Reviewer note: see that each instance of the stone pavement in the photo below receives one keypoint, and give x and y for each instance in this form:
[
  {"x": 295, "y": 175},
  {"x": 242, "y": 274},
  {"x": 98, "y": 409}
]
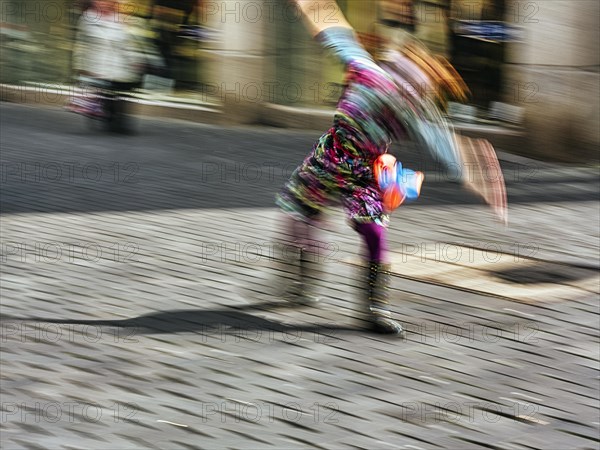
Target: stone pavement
[{"x": 136, "y": 310}]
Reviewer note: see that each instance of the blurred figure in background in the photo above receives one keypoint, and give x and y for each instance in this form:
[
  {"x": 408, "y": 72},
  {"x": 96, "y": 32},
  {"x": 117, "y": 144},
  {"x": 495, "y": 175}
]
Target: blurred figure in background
[
  {"x": 106, "y": 57},
  {"x": 396, "y": 98},
  {"x": 168, "y": 18}
]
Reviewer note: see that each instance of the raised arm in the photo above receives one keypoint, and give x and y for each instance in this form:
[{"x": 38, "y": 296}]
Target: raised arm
[
  {"x": 333, "y": 33},
  {"x": 314, "y": 17}
]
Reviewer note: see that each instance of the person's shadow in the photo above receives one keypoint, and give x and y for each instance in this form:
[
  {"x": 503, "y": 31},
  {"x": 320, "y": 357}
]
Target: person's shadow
[{"x": 216, "y": 323}]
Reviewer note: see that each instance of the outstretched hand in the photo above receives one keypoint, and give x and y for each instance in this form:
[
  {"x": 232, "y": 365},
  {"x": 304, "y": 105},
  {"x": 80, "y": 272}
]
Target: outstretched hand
[{"x": 483, "y": 175}]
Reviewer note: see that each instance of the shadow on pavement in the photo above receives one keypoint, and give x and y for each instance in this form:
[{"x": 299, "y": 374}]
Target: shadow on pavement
[{"x": 224, "y": 322}]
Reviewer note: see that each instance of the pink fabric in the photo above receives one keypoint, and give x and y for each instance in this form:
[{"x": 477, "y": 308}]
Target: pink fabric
[{"x": 374, "y": 237}]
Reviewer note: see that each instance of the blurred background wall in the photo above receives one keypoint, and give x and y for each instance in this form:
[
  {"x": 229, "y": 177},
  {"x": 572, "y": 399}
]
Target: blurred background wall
[
  {"x": 255, "y": 60},
  {"x": 553, "y": 73}
]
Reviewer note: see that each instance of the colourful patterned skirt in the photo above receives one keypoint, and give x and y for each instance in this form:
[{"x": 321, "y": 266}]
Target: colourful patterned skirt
[{"x": 334, "y": 171}]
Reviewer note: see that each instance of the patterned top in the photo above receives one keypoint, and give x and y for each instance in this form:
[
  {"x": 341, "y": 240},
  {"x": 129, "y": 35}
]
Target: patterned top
[
  {"x": 378, "y": 105},
  {"x": 381, "y": 105}
]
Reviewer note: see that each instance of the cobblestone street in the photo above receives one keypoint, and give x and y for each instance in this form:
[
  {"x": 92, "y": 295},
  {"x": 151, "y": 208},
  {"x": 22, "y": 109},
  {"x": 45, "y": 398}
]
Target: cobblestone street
[{"x": 137, "y": 308}]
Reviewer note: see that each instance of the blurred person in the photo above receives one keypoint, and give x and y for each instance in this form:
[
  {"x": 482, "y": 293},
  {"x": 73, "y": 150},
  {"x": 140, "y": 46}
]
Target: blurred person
[
  {"x": 396, "y": 98},
  {"x": 169, "y": 18},
  {"x": 106, "y": 56}
]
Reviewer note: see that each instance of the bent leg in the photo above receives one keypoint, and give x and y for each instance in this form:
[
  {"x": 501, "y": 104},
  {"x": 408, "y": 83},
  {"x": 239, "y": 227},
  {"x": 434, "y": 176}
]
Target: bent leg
[{"x": 302, "y": 200}]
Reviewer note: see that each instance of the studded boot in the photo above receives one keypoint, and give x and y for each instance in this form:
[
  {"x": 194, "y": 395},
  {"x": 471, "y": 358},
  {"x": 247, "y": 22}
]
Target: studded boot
[{"x": 379, "y": 313}]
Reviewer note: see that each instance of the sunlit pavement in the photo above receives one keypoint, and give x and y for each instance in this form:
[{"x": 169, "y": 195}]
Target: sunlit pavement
[{"x": 136, "y": 306}]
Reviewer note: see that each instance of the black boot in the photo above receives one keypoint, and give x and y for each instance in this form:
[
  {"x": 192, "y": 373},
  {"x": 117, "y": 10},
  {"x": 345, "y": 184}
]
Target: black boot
[{"x": 377, "y": 298}]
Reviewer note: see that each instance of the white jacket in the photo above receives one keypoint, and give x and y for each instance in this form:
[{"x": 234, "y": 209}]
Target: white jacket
[{"x": 107, "y": 50}]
